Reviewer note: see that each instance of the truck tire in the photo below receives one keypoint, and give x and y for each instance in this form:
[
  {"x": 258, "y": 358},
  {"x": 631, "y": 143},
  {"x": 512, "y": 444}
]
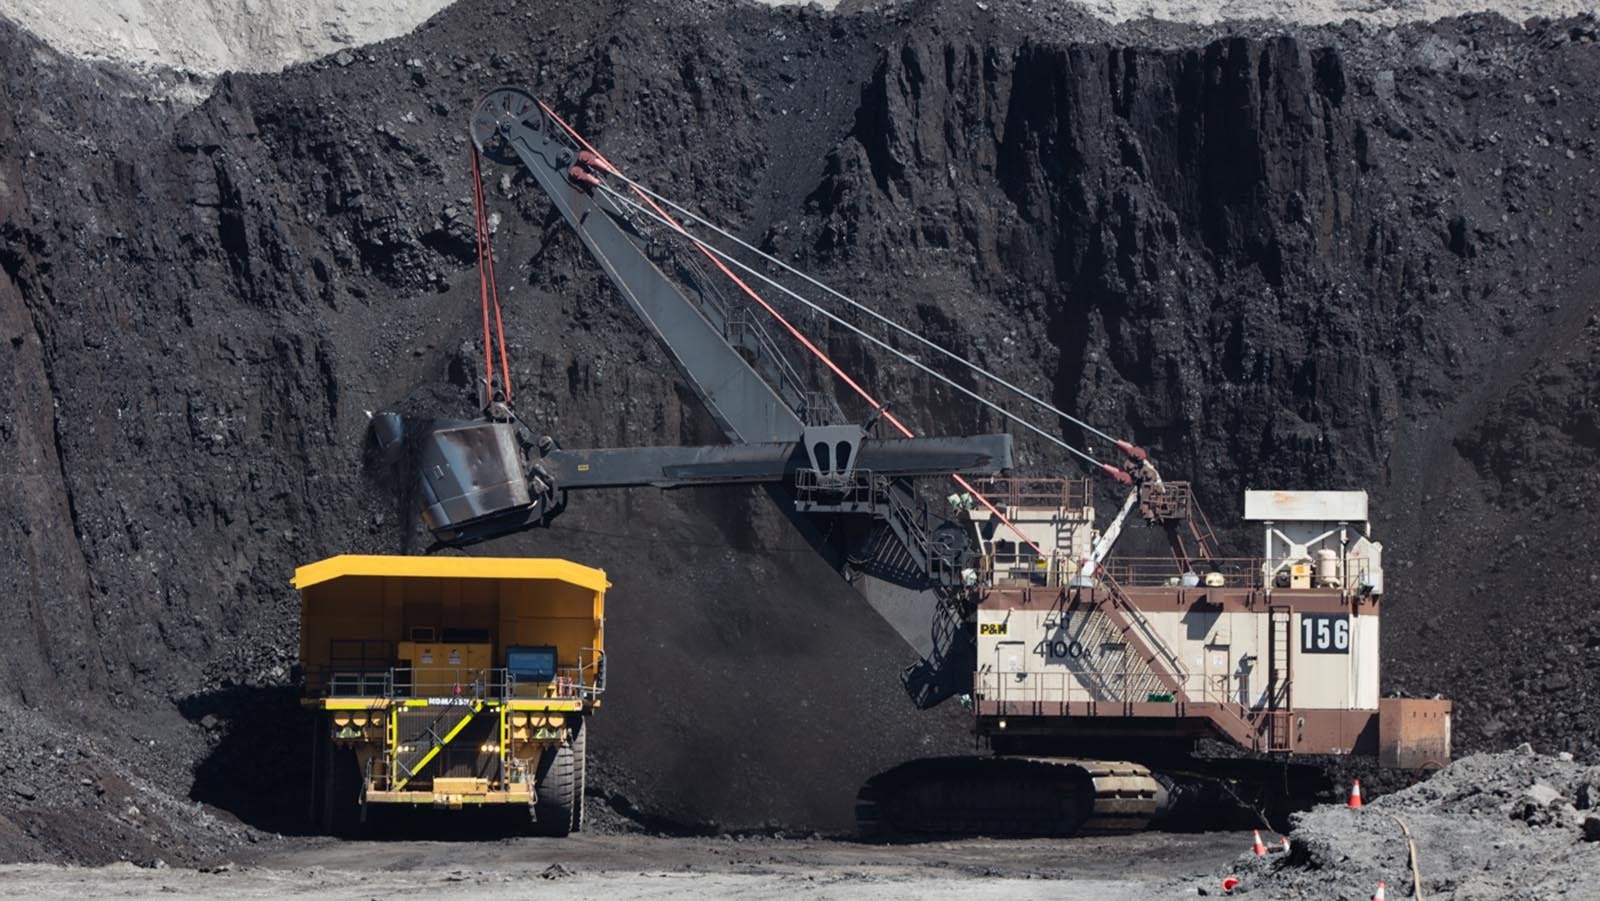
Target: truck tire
[
  {"x": 317, "y": 791},
  {"x": 341, "y": 792},
  {"x": 554, "y": 793},
  {"x": 580, "y": 741}
]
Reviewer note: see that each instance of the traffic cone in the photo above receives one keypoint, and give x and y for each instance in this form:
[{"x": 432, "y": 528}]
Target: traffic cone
[
  {"x": 1355, "y": 794},
  {"x": 1258, "y": 847},
  {"x": 1229, "y": 883},
  {"x": 1380, "y": 894},
  {"x": 1285, "y": 846}
]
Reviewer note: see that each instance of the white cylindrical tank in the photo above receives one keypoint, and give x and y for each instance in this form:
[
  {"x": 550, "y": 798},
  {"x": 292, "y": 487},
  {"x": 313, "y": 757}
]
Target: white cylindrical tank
[{"x": 1328, "y": 568}]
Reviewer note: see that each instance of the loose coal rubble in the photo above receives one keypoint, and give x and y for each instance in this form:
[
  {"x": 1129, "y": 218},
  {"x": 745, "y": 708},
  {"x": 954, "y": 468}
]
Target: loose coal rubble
[
  {"x": 81, "y": 795},
  {"x": 1310, "y": 257},
  {"x": 1514, "y": 824}
]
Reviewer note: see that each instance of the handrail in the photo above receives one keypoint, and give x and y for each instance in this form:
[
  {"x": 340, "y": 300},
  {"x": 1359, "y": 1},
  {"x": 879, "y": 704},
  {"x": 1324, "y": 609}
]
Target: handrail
[
  {"x": 822, "y": 409},
  {"x": 744, "y": 322},
  {"x": 1166, "y": 500},
  {"x": 735, "y": 322},
  {"x": 460, "y": 685},
  {"x": 1163, "y": 572},
  {"x": 1069, "y": 494},
  {"x": 1066, "y": 686},
  {"x": 439, "y": 682},
  {"x": 863, "y": 489},
  {"x": 1069, "y": 685},
  {"x": 596, "y": 667}
]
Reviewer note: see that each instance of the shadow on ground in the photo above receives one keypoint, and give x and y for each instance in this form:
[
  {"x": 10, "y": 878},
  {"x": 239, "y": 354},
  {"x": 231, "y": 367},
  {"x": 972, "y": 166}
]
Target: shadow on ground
[
  {"x": 260, "y": 771},
  {"x": 259, "y": 768}
]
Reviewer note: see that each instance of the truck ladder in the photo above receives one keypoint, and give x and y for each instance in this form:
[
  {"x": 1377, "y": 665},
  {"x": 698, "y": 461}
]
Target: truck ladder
[
  {"x": 404, "y": 772},
  {"x": 1279, "y": 701}
]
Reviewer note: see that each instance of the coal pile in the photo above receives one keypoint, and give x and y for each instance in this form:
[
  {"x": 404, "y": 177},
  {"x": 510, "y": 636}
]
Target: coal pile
[
  {"x": 81, "y": 792},
  {"x": 1503, "y": 825},
  {"x": 1321, "y": 258}
]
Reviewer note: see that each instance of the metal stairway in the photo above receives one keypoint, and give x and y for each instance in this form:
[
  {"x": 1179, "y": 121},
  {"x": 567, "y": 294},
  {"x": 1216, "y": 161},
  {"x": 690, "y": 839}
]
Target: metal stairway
[
  {"x": 408, "y": 764},
  {"x": 908, "y": 519},
  {"x": 744, "y": 332},
  {"x": 1116, "y": 672},
  {"x": 911, "y": 545},
  {"x": 1150, "y": 667},
  {"x": 886, "y": 556}
]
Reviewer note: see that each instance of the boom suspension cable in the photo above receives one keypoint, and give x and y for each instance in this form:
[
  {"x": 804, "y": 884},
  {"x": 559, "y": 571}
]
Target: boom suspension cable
[
  {"x": 488, "y": 290},
  {"x": 1120, "y": 444},
  {"x": 706, "y": 247},
  {"x": 827, "y": 361}
]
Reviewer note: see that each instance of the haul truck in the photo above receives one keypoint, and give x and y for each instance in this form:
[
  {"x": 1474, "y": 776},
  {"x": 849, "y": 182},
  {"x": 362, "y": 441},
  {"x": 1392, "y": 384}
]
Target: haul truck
[{"x": 451, "y": 682}]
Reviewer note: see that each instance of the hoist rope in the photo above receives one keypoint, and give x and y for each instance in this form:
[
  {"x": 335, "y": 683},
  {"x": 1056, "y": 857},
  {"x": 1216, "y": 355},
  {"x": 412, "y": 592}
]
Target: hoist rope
[{"x": 488, "y": 289}]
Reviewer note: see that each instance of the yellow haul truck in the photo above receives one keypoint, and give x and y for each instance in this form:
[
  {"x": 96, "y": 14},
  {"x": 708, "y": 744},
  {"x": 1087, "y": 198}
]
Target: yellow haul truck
[{"x": 451, "y": 682}]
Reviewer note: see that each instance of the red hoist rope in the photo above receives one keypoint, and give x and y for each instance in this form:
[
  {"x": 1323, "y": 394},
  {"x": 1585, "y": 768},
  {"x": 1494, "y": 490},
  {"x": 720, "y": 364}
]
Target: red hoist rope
[
  {"x": 489, "y": 290},
  {"x": 595, "y": 157}
]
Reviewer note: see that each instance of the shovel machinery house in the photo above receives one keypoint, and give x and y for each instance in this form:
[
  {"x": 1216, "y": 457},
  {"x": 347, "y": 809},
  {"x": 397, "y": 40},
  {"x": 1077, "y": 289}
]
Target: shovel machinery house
[
  {"x": 1094, "y": 680},
  {"x": 451, "y": 682}
]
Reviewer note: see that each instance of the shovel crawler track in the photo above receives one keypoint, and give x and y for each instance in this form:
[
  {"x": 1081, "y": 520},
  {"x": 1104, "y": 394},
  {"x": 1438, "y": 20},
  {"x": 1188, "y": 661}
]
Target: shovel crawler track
[{"x": 1008, "y": 796}]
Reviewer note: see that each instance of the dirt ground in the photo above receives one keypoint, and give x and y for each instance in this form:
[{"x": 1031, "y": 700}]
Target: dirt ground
[{"x": 1149, "y": 865}]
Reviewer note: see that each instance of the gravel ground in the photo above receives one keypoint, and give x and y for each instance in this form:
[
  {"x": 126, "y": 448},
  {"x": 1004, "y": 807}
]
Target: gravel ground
[
  {"x": 1489, "y": 826},
  {"x": 1515, "y": 824},
  {"x": 1107, "y": 869}
]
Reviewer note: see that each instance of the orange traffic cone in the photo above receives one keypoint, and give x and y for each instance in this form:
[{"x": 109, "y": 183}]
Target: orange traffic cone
[
  {"x": 1258, "y": 847},
  {"x": 1229, "y": 883},
  {"x": 1285, "y": 847},
  {"x": 1380, "y": 894},
  {"x": 1355, "y": 794}
]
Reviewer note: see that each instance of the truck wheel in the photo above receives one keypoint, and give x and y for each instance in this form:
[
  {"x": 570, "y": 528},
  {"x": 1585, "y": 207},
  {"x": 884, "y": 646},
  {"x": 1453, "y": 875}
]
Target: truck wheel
[
  {"x": 580, "y": 739},
  {"x": 341, "y": 792},
  {"x": 553, "y": 805}
]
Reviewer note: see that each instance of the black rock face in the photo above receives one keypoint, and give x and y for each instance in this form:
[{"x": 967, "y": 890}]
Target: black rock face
[{"x": 1304, "y": 258}]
